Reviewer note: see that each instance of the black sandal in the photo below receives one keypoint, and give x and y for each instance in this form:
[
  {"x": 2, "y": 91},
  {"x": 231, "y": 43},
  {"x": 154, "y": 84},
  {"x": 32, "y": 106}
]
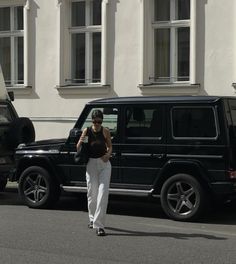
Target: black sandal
[
  {"x": 100, "y": 232},
  {"x": 90, "y": 225}
]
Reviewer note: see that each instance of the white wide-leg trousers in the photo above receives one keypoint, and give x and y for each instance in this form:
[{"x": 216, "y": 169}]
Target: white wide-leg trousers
[{"x": 98, "y": 174}]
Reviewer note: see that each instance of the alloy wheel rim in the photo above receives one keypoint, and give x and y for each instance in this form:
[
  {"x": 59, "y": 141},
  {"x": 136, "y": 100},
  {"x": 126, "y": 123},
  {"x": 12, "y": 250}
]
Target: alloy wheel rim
[
  {"x": 182, "y": 198},
  {"x": 35, "y": 188}
]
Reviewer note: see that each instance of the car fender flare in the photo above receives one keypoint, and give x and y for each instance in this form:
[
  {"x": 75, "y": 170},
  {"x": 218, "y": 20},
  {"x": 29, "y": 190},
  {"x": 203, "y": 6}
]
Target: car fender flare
[
  {"x": 174, "y": 166},
  {"x": 37, "y": 160}
]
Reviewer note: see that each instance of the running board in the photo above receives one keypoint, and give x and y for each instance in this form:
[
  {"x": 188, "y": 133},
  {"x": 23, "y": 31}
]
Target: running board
[{"x": 111, "y": 191}]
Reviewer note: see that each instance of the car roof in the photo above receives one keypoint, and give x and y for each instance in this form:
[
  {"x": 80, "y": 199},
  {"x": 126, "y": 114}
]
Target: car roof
[{"x": 161, "y": 99}]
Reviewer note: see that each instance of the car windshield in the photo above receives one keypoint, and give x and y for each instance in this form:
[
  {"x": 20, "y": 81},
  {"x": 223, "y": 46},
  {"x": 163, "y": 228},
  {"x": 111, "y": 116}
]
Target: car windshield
[{"x": 5, "y": 114}]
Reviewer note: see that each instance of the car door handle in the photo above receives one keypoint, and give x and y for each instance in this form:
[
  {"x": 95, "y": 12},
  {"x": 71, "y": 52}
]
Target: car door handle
[{"x": 158, "y": 156}]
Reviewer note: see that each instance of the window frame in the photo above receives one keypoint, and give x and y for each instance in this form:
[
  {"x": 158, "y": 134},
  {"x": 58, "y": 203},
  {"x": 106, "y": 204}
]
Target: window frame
[
  {"x": 14, "y": 34},
  {"x": 145, "y": 139},
  {"x": 173, "y": 25},
  {"x": 88, "y": 30},
  {"x": 146, "y": 83}
]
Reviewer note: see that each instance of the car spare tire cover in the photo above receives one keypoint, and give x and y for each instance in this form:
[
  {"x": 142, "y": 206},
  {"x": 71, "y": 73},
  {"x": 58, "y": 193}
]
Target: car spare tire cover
[{"x": 21, "y": 131}]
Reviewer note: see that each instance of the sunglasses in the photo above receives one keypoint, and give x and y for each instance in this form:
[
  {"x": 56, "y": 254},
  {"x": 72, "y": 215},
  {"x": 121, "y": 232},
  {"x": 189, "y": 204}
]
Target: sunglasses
[{"x": 97, "y": 121}]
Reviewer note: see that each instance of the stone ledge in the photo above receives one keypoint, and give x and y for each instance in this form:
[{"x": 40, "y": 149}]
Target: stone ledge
[
  {"x": 169, "y": 89},
  {"x": 20, "y": 90},
  {"x": 92, "y": 89}
]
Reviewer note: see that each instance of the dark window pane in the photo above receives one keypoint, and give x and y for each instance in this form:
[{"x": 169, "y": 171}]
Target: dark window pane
[
  {"x": 20, "y": 51},
  {"x": 78, "y": 14},
  {"x": 19, "y": 18},
  {"x": 194, "y": 123},
  {"x": 183, "y": 54},
  {"x": 110, "y": 117},
  {"x": 96, "y": 12},
  {"x": 5, "y": 59},
  {"x": 143, "y": 122},
  {"x": 162, "y": 55},
  {"x": 78, "y": 58},
  {"x": 183, "y": 9},
  {"x": 96, "y": 57},
  {"x": 162, "y": 10},
  {"x": 5, "y": 19},
  {"x": 231, "y": 117},
  {"x": 5, "y": 115}
]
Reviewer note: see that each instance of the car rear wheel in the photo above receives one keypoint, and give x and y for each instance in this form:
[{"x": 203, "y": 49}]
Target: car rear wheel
[
  {"x": 37, "y": 188},
  {"x": 183, "y": 198}
]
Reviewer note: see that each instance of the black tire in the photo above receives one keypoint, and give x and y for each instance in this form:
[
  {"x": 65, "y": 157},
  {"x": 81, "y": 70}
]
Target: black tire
[
  {"x": 21, "y": 131},
  {"x": 183, "y": 198},
  {"x": 37, "y": 188}
]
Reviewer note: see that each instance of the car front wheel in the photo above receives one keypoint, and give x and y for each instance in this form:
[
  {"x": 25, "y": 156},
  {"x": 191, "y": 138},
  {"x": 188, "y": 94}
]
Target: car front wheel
[
  {"x": 183, "y": 198},
  {"x": 37, "y": 188}
]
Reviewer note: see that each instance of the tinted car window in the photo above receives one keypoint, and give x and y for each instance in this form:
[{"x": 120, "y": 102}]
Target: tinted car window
[
  {"x": 110, "y": 117},
  {"x": 193, "y": 122},
  {"x": 143, "y": 122},
  {"x": 5, "y": 115}
]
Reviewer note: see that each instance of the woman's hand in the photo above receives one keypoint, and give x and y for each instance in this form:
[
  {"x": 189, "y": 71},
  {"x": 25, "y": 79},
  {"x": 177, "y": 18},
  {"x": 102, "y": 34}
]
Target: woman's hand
[
  {"x": 82, "y": 139},
  {"x": 105, "y": 157}
]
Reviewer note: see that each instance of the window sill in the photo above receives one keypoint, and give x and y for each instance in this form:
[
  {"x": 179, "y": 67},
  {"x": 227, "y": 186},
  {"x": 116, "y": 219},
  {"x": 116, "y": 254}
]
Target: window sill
[
  {"x": 83, "y": 89},
  {"x": 170, "y": 89},
  {"x": 20, "y": 90}
]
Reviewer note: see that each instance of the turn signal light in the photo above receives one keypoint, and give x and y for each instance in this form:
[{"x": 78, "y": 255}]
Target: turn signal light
[{"x": 232, "y": 174}]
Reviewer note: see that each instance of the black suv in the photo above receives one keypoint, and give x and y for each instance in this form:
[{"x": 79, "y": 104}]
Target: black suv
[
  {"x": 181, "y": 149},
  {"x": 13, "y": 131}
]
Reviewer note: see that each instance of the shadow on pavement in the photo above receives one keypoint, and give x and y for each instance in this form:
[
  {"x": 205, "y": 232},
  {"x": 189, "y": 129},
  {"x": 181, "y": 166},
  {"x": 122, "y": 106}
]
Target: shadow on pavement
[{"x": 123, "y": 232}]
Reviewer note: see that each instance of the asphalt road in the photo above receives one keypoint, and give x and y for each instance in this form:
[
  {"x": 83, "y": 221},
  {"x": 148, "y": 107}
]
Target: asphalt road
[{"x": 137, "y": 232}]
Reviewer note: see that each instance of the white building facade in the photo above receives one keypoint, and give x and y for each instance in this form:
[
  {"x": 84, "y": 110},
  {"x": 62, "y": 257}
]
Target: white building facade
[{"x": 56, "y": 55}]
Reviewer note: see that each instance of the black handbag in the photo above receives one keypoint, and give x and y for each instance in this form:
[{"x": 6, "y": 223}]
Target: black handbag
[{"x": 82, "y": 155}]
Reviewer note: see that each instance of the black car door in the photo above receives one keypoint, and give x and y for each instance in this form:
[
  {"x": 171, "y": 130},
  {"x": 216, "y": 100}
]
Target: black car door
[
  {"x": 143, "y": 147},
  {"x": 77, "y": 172}
]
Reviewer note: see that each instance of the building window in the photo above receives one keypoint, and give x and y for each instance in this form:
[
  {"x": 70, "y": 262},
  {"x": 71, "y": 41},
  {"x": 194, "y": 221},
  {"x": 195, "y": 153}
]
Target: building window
[
  {"x": 171, "y": 29},
  {"x": 12, "y": 44},
  {"x": 85, "y": 34}
]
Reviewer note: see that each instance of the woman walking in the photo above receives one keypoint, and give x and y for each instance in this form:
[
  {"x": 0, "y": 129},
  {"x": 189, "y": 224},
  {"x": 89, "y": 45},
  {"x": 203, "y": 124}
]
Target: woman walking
[{"x": 98, "y": 170}]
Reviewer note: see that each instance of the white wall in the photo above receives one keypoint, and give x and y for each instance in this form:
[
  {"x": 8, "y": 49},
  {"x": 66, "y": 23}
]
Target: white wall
[
  {"x": 216, "y": 56},
  {"x": 126, "y": 47},
  {"x": 216, "y": 50}
]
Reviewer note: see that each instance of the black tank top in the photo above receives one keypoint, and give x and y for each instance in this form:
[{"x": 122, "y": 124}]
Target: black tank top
[{"x": 97, "y": 143}]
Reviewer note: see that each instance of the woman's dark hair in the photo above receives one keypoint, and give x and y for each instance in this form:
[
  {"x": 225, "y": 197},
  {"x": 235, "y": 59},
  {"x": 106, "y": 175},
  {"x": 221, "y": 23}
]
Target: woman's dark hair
[{"x": 97, "y": 114}]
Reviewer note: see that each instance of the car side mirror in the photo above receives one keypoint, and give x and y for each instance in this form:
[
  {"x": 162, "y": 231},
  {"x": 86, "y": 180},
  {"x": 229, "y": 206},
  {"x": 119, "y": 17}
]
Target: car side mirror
[{"x": 74, "y": 135}]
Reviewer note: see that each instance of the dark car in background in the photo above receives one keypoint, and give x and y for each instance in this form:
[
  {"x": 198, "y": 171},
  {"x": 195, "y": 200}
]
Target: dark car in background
[
  {"x": 179, "y": 149},
  {"x": 13, "y": 131}
]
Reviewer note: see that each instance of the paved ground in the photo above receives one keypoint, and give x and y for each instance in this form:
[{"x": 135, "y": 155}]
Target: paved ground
[{"x": 138, "y": 232}]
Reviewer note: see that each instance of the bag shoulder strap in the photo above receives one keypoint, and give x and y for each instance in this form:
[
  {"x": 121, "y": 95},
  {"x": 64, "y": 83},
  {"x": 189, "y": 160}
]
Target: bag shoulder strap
[{"x": 88, "y": 132}]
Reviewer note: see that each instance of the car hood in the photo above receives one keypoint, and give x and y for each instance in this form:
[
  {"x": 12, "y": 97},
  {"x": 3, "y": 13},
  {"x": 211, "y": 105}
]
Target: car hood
[{"x": 49, "y": 144}]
